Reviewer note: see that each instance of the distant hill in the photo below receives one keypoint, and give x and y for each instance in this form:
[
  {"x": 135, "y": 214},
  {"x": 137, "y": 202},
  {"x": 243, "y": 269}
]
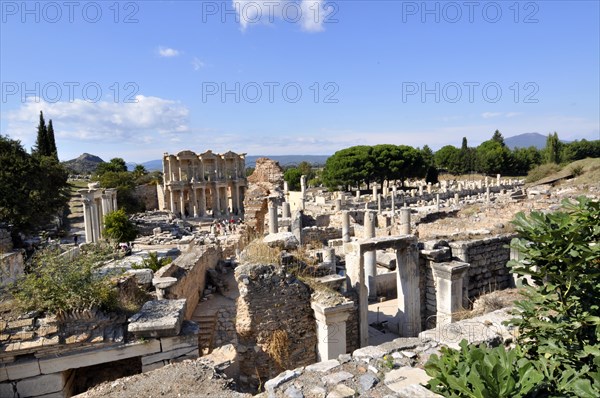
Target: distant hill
[
  {"x": 84, "y": 164},
  {"x": 284, "y": 160},
  {"x": 526, "y": 140}
]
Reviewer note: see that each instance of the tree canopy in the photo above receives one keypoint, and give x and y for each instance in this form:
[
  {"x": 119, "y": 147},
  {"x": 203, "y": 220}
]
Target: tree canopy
[{"x": 33, "y": 189}]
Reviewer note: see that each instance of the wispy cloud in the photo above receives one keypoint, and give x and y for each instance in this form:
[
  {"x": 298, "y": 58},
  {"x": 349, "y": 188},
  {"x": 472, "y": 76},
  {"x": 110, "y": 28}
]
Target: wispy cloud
[
  {"x": 488, "y": 115},
  {"x": 167, "y": 52},
  {"x": 197, "y": 63}
]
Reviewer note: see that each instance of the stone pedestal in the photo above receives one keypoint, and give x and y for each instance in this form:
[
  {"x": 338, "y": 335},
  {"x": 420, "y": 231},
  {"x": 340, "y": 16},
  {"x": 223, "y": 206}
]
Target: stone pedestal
[
  {"x": 448, "y": 279},
  {"x": 409, "y": 296},
  {"x": 331, "y": 329}
]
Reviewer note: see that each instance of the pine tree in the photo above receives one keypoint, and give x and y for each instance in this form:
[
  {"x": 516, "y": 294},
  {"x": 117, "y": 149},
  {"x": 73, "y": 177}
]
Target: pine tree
[
  {"x": 498, "y": 138},
  {"x": 51, "y": 141},
  {"x": 41, "y": 143}
]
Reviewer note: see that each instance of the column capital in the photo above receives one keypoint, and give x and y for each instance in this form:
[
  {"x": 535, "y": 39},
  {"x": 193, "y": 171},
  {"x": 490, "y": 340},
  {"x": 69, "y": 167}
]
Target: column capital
[{"x": 332, "y": 314}]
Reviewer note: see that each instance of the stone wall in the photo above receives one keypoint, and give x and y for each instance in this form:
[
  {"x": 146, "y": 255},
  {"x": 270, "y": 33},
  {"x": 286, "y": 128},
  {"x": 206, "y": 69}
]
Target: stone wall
[
  {"x": 148, "y": 196},
  {"x": 275, "y": 324},
  {"x": 190, "y": 271},
  {"x": 319, "y": 236},
  {"x": 352, "y": 326},
  {"x": 488, "y": 258},
  {"x": 11, "y": 267}
]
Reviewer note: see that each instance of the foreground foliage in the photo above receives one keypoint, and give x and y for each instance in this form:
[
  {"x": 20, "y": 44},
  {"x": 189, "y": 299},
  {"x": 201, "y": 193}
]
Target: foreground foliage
[
  {"x": 558, "y": 346},
  {"x": 59, "y": 284}
]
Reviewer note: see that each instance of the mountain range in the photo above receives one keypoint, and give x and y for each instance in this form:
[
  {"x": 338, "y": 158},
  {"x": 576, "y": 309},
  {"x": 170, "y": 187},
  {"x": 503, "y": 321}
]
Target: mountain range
[{"x": 87, "y": 163}]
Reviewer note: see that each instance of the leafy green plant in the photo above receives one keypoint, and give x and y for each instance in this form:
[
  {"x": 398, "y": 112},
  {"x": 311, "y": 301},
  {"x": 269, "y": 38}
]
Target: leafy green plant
[
  {"x": 480, "y": 372},
  {"x": 559, "y": 322},
  {"x": 153, "y": 262},
  {"x": 558, "y": 346},
  {"x": 59, "y": 284},
  {"x": 118, "y": 227}
]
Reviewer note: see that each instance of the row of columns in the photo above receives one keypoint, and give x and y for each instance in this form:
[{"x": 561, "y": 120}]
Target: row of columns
[
  {"x": 96, "y": 204},
  {"x": 195, "y": 203}
]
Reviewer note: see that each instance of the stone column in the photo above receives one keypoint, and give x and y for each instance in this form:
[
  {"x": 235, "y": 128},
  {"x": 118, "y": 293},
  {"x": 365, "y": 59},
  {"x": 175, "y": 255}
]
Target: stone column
[
  {"x": 285, "y": 210},
  {"x": 171, "y": 199},
  {"x": 345, "y": 226},
  {"x": 182, "y": 204},
  {"x": 331, "y": 329},
  {"x": 498, "y": 180},
  {"x": 87, "y": 219},
  {"x": 405, "y": 221},
  {"x": 420, "y": 190},
  {"x": 437, "y": 201},
  {"x": 238, "y": 200},
  {"x": 409, "y": 296},
  {"x": 358, "y": 194},
  {"x": 393, "y": 204},
  {"x": 456, "y": 199},
  {"x": 286, "y": 188},
  {"x": 303, "y": 185},
  {"x": 338, "y": 204},
  {"x": 355, "y": 272},
  {"x": 114, "y": 199},
  {"x": 329, "y": 258},
  {"x": 273, "y": 226},
  {"x": 487, "y": 194},
  {"x": 195, "y": 199},
  {"x": 202, "y": 202},
  {"x": 374, "y": 192},
  {"x": 95, "y": 221},
  {"x": 429, "y": 188},
  {"x": 216, "y": 202},
  {"x": 379, "y": 204},
  {"x": 448, "y": 279},
  {"x": 370, "y": 258}
]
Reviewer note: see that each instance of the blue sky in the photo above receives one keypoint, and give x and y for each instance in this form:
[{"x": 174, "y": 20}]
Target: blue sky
[{"x": 135, "y": 79}]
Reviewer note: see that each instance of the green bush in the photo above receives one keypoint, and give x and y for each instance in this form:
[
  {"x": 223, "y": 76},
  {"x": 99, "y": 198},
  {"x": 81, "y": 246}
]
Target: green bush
[
  {"x": 481, "y": 372},
  {"x": 558, "y": 346},
  {"x": 59, "y": 284},
  {"x": 153, "y": 262},
  {"x": 118, "y": 227},
  {"x": 542, "y": 171}
]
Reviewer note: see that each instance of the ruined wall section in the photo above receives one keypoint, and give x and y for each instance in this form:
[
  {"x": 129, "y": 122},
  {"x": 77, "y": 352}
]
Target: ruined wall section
[
  {"x": 275, "y": 323},
  {"x": 147, "y": 195},
  {"x": 190, "y": 271},
  {"x": 487, "y": 257},
  {"x": 267, "y": 180}
]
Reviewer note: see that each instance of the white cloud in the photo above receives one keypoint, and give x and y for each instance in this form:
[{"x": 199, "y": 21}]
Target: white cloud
[
  {"x": 198, "y": 63},
  {"x": 513, "y": 114},
  {"x": 310, "y": 15},
  {"x": 167, "y": 52},
  {"x": 488, "y": 115},
  {"x": 146, "y": 120}
]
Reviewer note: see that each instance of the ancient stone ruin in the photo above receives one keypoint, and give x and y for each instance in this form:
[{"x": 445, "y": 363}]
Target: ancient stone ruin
[{"x": 334, "y": 286}]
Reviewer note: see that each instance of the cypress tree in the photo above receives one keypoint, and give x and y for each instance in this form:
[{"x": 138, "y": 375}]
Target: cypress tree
[
  {"x": 51, "y": 141},
  {"x": 41, "y": 143}
]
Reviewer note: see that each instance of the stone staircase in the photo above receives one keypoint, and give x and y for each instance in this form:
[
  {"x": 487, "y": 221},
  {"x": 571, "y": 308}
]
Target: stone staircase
[{"x": 208, "y": 324}]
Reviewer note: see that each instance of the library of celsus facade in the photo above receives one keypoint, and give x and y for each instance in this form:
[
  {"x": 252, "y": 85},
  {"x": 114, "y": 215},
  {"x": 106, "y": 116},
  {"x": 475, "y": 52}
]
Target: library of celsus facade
[{"x": 203, "y": 185}]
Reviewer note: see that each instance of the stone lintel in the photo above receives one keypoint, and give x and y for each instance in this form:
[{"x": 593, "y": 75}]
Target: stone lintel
[{"x": 453, "y": 270}]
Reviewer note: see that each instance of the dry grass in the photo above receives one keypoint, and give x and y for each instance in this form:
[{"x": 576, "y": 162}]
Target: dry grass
[
  {"x": 258, "y": 252},
  {"x": 490, "y": 302},
  {"x": 277, "y": 347}
]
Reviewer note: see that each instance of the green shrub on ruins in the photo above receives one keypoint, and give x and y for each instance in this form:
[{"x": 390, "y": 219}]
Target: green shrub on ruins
[
  {"x": 153, "y": 262},
  {"x": 558, "y": 343},
  {"x": 481, "y": 372},
  {"x": 60, "y": 284}
]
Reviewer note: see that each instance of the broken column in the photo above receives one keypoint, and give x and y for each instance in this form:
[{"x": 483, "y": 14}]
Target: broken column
[
  {"x": 405, "y": 221},
  {"x": 345, "y": 226},
  {"x": 379, "y": 204},
  {"x": 285, "y": 210},
  {"x": 448, "y": 279},
  {"x": 338, "y": 204},
  {"x": 331, "y": 329},
  {"x": 329, "y": 258},
  {"x": 409, "y": 296},
  {"x": 273, "y": 226},
  {"x": 370, "y": 257}
]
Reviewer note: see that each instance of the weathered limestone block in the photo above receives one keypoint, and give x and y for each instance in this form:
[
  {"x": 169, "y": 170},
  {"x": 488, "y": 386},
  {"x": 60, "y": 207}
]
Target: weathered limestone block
[
  {"x": 158, "y": 318},
  {"x": 283, "y": 240}
]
